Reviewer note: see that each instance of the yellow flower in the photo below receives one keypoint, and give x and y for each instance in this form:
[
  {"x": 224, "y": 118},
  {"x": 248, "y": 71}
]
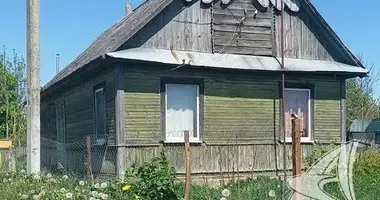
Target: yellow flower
[
  {"x": 126, "y": 187},
  {"x": 137, "y": 197}
]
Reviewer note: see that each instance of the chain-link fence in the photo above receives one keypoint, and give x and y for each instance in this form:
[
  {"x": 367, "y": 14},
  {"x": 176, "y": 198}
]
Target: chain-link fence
[{"x": 88, "y": 156}]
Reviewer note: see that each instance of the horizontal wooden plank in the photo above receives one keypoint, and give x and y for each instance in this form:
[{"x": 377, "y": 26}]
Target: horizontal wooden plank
[
  {"x": 239, "y": 42},
  {"x": 237, "y": 11},
  {"x": 224, "y": 36},
  {"x": 243, "y": 29},
  {"x": 243, "y": 51},
  {"x": 229, "y": 20}
]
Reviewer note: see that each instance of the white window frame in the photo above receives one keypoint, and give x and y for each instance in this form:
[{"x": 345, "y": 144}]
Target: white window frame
[
  {"x": 181, "y": 139},
  {"x": 100, "y": 138},
  {"x": 309, "y": 132}
]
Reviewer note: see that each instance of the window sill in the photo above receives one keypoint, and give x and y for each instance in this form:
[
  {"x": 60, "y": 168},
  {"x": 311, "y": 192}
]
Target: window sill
[
  {"x": 305, "y": 141},
  {"x": 181, "y": 142}
]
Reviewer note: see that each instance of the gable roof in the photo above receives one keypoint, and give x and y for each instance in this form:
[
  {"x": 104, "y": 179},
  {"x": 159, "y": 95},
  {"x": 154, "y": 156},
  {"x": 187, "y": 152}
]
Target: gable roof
[
  {"x": 333, "y": 34},
  {"x": 111, "y": 39},
  {"x": 120, "y": 32},
  {"x": 234, "y": 61}
]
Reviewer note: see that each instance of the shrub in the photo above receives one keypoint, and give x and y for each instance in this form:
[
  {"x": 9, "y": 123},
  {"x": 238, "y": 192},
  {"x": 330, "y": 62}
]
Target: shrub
[
  {"x": 153, "y": 180},
  {"x": 319, "y": 150}
]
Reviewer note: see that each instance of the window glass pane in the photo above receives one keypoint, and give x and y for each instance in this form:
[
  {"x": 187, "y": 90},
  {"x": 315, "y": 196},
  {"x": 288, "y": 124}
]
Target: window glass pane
[
  {"x": 297, "y": 101},
  {"x": 181, "y": 110},
  {"x": 100, "y": 112}
]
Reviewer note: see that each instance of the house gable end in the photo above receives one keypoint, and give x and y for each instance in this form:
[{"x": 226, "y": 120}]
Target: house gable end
[
  {"x": 242, "y": 27},
  {"x": 238, "y": 27}
]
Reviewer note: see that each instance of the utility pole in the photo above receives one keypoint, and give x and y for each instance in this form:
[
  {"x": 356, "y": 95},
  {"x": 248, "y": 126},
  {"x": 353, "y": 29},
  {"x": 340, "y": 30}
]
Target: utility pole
[
  {"x": 33, "y": 107},
  {"x": 283, "y": 88}
]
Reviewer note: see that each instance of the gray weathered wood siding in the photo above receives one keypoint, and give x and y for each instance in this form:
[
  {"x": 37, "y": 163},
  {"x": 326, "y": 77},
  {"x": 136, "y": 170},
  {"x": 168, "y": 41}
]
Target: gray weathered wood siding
[
  {"x": 302, "y": 38},
  {"x": 213, "y": 159},
  {"x": 240, "y": 110},
  {"x": 253, "y": 36},
  {"x": 79, "y": 114},
  {"x": 180, "y": 26}
]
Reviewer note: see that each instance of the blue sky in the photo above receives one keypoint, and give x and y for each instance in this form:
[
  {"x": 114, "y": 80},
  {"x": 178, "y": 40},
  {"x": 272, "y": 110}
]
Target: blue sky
[{"x": 69, "y": 26}]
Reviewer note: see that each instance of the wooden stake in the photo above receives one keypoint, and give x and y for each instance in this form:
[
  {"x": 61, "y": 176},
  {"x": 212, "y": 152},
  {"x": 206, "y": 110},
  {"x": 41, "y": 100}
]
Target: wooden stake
[
  {"x": 296, "y": 156},
  {"x": 88, "y": 158},
  {"x": 188, "y": 171}
]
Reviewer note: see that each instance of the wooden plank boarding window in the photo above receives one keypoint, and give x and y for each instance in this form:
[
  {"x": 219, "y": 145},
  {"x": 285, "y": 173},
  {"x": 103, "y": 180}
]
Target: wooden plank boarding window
[
  {"x": 100, "y": 114},
  {"x": 60, "y": 122},
  {"x": 182, "y": 112},
  {"x": 298, "y": 101}
]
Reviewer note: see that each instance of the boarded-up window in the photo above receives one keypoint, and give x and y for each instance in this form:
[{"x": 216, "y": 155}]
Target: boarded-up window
[
  {"x": 100, "y": 114},
  {"x": 182, "y": 112},
  {"x": 297, "y": 101},
  {"x": 60, "y": 121}
]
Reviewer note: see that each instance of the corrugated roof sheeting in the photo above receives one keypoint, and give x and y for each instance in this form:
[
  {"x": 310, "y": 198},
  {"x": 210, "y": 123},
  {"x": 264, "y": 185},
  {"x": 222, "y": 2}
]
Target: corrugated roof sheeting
[
  {"x": 232, "y": 61},
  {"x": 365, "y": 126}
]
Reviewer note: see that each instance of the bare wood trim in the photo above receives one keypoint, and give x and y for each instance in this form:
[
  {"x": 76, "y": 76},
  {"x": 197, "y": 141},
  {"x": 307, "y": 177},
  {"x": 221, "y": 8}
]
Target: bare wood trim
[
  {"x": 343, "y": 137},
  {"x": 273, "y": 31},
  {"x": 188, "y": 170},
  {"x": 238, "y": 144},
  {"x": 212, "y": 28},
  {"x": 120, "y": 120}
]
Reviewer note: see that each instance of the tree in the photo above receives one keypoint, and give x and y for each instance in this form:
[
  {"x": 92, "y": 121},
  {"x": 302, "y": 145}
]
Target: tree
[
  {"x": 12, "y": 97},
  {"x": 360, "y": 99}
]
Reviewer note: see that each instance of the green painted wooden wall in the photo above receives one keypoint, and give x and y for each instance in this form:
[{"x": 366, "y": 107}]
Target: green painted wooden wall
[
  {"x": 236, "y": 105},
  {"x": 78, "y": 100}
]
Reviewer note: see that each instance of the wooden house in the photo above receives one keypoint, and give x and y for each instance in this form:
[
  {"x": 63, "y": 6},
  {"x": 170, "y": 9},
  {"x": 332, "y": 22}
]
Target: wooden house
[
  {"x": 366, "y": 130},
  {"x": 212, "y": 68}
]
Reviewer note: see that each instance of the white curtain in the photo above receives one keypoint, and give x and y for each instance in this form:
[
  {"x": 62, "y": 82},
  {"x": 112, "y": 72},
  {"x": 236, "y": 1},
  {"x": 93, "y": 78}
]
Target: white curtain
[
  {"x": 297, "y": 101},
  {"x": 181, "y": 110}
]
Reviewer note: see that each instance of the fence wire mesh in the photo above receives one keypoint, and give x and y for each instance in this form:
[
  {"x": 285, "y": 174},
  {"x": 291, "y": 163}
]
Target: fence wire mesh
[{"x": 89, "y": 155}]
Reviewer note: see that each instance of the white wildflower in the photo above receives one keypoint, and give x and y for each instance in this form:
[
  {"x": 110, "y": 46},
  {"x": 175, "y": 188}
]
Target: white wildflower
[
  {"x": 23, "y": 171},
  {"x": 84, "y": 191},
  {"x": 272, "y": 193},
  {"x": 91, "y": 198},
  {"x": 32, "y": 191},
  {"x": 65, "y": 177},
  {"x": 223, "y": 198},
  {"x": 69, "y": 195},
  {"x": 103, "y": 185},
  {"x": 10, "y": 179},
  {"x": 81, "y": 183},
  {"x": 63, "y": 190},
  {"x": 94, "y": 193},
  {"x": 24, "y": 196},
  {"x": 278, "y": 186},
  {"x": 226, "y": 192},
  {"x": 105, "y": 196},
  {"x": 49, "y": 175},
  {"x": 36, "y": 177},
  {"x": 97, "y": 185}
]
